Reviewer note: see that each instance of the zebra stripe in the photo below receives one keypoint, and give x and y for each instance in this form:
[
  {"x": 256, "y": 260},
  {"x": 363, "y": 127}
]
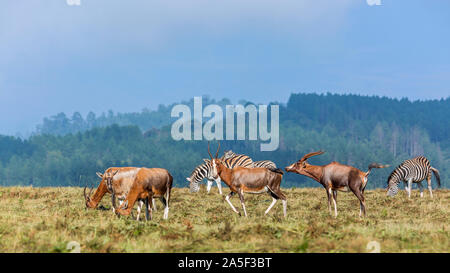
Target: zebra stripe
[
  {"x": 413, "y": 170},
  {"x": 256, "y": 164},
  {"x": 264, "y": 164}
]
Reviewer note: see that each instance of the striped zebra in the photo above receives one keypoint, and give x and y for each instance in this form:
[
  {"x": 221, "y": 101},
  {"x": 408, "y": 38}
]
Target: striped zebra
[
  {"x": 256, "y": 164},
  {"x": 412, "y": 170},
  {"x": 204, "y": 171},
  {"x": 264, "y": 164}
]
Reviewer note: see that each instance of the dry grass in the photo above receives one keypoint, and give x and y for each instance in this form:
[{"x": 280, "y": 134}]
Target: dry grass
[{"x": 46, "y": 219}]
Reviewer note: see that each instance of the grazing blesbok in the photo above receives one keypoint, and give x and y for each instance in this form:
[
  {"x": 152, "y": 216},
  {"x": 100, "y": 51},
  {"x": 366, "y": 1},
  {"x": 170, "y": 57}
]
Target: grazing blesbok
[
  {"x": 119, "y": 184},
  {"x": 119, "y": 179},
  {"x": 335, "y": 177},
  {"x": 242, "y": 180},
  {"x": 92, "y": 201},
  {"x": 148, "y": 183}
]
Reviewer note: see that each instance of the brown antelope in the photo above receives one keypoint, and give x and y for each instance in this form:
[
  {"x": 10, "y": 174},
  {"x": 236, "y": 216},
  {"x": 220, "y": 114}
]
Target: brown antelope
[
  {"x": 92, "y": 201},
  {"x": 148, "y": 183},
  {"x": 242, "y": 180},
  {"x": 335, "y": 177},
  {"x": 117, "y": 180}
]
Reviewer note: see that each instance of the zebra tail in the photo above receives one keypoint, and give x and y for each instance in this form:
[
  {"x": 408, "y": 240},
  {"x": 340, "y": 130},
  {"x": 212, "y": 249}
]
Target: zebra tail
[
  {"x": 275, "y": 170},
  {"x": 438, "y": 177}
]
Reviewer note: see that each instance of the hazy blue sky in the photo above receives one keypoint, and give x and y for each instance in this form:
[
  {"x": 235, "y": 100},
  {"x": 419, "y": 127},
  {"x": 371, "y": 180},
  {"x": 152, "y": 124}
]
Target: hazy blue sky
[{"x": 128, "y": 54}]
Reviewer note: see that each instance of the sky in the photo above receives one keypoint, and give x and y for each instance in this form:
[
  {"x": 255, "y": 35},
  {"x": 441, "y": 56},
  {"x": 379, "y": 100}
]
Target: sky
[{"x": 127, "y": 55}]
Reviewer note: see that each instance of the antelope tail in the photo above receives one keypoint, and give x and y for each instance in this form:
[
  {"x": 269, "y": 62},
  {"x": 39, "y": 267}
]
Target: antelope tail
[
  {"x": 375, "y": 165},
  {"x": 275, "y": 170},
  {"x": 438, "y": 177}
]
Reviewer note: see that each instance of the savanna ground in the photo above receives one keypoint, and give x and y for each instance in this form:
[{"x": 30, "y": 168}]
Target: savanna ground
[{"x": 47, "y": 219}]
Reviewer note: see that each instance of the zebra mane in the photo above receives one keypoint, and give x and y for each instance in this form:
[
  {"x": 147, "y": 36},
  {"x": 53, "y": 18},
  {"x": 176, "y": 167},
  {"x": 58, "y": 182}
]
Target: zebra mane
[
  {"x": 394, "y": 176},
  {"x": 228, "y": 154}
]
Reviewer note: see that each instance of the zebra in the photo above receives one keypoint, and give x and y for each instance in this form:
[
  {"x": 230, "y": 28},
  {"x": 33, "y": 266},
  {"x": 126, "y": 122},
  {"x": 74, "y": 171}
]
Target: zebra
[
  {"x": 256, "y": 164},
  {"x": 204, "y": 171},
  {"x": 412, "y": 170},
  {"x": 264, "y": 164}
]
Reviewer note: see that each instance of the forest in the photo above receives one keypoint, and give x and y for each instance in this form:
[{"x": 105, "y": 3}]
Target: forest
[{"x": 351, "y": 129}]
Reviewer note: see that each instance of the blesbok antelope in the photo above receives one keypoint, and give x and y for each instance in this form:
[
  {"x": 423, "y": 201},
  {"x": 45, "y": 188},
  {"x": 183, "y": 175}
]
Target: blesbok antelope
[
  {"x": 204, "y": 171},
  {"x": 335, "y": 177},
  {"x": 148, "y": 183},
  {"x": 242, "y": 180},
  {"x": 119, "y": 178},
  {"x": 119, "y": 185},
  {"x": 92, "y": 201}
]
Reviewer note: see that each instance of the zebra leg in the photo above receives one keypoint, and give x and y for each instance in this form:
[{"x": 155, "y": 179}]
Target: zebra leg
[
  {"x": 409, "y": 187},
  {"x": 406, "y": 186},
  {"x": 219, "y": 185},
  {"x": 208, "y": 185},
  {"x": 420, "y": 188},
  {"x": 429, "y": 186}
]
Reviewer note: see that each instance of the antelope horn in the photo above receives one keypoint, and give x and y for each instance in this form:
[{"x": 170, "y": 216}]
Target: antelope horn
[
  {"x": 84, "y": 193},
  {"x": 305, "y": 157},
  {"x": 210, "y": 155},
  {"x": 217, "y": 153}
]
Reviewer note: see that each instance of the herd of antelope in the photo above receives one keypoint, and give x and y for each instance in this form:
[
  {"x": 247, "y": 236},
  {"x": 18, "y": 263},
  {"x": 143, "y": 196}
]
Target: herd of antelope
[{"x": 243, "y": 175}]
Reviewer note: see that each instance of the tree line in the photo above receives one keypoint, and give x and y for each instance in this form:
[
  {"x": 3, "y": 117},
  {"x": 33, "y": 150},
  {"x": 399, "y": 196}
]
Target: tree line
[{"x": 355, "y": 130}]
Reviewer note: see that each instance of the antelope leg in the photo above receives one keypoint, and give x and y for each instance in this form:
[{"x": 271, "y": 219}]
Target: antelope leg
[
  {"x": 271, "y": 205},
  {"x": 229, "y": 202},
  {"x": 139, "y": 208},
  {"x": 154, "y": 204},
  {"x": 241, "y": 197},
  {"x": 284, "y": 207}
]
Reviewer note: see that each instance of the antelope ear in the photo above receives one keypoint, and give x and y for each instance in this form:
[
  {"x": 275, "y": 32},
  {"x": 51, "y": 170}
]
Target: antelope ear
[
  {"x": 188, "y": 179},
  {"x": 99, "y": 174}
]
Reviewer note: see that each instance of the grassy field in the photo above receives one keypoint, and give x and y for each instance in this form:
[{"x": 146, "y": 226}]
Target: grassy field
[{"x": 47, "y": 219}]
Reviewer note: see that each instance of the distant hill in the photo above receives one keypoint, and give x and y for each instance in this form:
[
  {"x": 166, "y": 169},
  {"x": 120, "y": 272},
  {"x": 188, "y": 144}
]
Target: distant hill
[{"x": 352, "y": 129}]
